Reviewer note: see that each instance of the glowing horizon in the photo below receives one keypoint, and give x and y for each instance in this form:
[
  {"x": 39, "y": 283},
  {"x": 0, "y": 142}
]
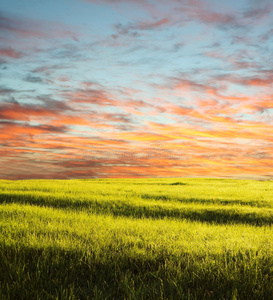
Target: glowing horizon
[{"x": 129, "y": 88}]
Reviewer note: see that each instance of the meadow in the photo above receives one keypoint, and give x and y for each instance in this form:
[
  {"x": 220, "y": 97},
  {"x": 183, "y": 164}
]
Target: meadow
[{"x": 172, "y": 238}]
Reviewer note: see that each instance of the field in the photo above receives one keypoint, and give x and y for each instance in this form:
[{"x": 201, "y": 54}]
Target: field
[{"x": 136, "y": 239}]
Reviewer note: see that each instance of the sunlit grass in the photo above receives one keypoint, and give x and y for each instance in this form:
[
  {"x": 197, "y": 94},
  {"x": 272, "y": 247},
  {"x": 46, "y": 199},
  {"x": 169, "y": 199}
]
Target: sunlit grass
[{"x": 136, "y": 239}]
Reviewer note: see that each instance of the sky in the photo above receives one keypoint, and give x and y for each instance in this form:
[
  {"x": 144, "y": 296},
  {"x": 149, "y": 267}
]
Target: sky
[{"x": 136, "y": 88}]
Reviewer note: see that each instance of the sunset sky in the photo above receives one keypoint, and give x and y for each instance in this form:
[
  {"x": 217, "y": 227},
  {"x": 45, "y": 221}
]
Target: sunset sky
[{"x": 136, "y": 88}]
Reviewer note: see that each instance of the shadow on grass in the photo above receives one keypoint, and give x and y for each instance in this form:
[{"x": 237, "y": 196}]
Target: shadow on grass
[
  {"x": 205, "y": 201},
  {"x": 121, "y": 208},
  {"x": 54, "y": 273}
]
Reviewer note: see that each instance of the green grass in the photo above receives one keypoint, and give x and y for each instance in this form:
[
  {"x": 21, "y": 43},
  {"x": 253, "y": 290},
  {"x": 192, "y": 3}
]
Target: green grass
[{"x": 136, "y": 239}]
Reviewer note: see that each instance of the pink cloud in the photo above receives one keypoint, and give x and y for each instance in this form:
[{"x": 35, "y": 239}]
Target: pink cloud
[{"x": 11, "y": 53}]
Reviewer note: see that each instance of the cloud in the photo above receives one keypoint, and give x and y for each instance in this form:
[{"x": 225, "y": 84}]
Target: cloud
[
  {"x": 216, "y": 112},
  {"x": 262, "y": 78},
  {"x": 6, "y": 91},
  {"x": 95, "y": 95},
  {"x": 24, "y": 112},
  {"x": 14, "y": 27},
  {"x": 177, "y": 12},
  {"x": 33, "y": 79},
  {"x": 257, "y": 81},
  {"x": 54, "y": 105},
  {"x": 91, "y": 96},
  {"x": 150, "y": 25},
  {"x": 133, "y": 29},
  {"x": 267, "y": 36},
  {"x": 49, "y": 69},
  {"x": 11, "y": 53},
  {"x": 13, "y": 129},
  {"x": 18, "y": 27},
  {"x": 258, "y": 10}
]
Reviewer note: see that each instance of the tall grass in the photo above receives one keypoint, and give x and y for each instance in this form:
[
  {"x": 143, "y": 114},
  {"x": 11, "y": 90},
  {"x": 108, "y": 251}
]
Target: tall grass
[{"x": 136, "y": 239}]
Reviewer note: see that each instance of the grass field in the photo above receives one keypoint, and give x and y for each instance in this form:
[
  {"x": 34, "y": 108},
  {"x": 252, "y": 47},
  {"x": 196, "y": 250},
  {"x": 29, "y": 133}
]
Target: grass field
[{"x": 136, "y": 239}]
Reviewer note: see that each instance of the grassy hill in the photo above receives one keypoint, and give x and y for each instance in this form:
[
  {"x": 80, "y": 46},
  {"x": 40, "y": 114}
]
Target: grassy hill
[{"x": 136, "y": 239}]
